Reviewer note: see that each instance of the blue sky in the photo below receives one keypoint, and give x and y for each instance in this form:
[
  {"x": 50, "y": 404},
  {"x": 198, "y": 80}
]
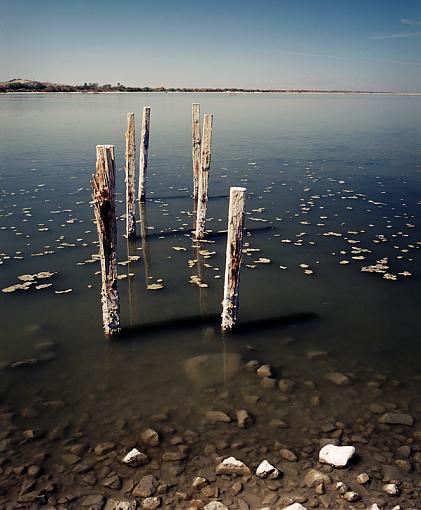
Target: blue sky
[{"x": 353, "y": 44}]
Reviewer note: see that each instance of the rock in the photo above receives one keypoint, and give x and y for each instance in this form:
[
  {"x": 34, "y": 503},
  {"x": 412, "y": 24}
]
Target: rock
[
  {"x": 93, "y": 499},
  {"x": 396, "y": 419},
  {"x": 120, "y": 504},
  {"x": 295, "y": 506},
  {"x": 286, "y": 385},
  {"x": 341, "y": 487},
  {"x": 146, "y": 487},
  {"x": 268, "y": 382},
  {"x": 288, "y": 455},
  {"x": 391, "y": 488},
  {"x": 374, "y": 506},
  {"x": 151, "y": 503},
  {"x": 352, "y": 496},
  {"x": 403, "y": 465},
  {"x": 199, "y": 482},
  {"x": 104, "y": 448},
  {"x": 266, "y": 470},
  {"x": 363, "y": 478},
  {"x": 218, "y": 416},
  {"x": 315, "y": 477},
  {"x": 244, "y": 420},
  {"x": 404, "y": 451},
  {"x": 113, "y": 482},
  {"x": 135, "y": 458},
  {"x": 71, "y": 459},
  {"x": 316, "y": 354},
  {"x": 264, "y": 371},
  {"x": 376, "y": 408},
  {"x": 337, "y": 456},
  {"x": 215, "y": 505},
  {"x": 278, "y": 424},
  {"x": 338, "y": 378},
  {"x": 150, "y": 437},
  {"x": 232, "y": 466},
  {"x": 173, "y": 456},
  {"x": 252, "y": 364}
]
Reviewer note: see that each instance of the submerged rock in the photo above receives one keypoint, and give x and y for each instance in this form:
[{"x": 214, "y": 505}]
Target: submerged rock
[
  {"x": 338, "y": 378},
  {"x": 396, "y": 419},
  {"x": 337, "y": 456},
  {"x": 315, "y": 477},
  {"x": 244, "y": 420},
  {"x": 266, "y": 470},
  {"x": 150, "y": 437},
  {"x": 146, "y": 487},
  {"x": 218, "y": 416},
  {"x": 232, "y": 466},
  {"x": 215, "y": 505},
  {"x": 120, "y": 504},
  {"x": 135, "y": 458}
]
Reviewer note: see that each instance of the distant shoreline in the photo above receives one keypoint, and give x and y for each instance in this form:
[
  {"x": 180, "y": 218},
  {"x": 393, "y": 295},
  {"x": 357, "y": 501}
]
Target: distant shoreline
[
  {"x": 232, "y": 93},
  {"x": 19, "y": 85}
]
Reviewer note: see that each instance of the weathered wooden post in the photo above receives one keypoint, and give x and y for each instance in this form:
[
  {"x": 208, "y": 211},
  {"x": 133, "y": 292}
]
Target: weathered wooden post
[
  {"x": 205, "y": 160},
  {"x": 196, "y": 148},
  {"x": 130, "y": 177},
  {"x": 235, "y": 235},
  {"x": 144, "y": 146},
  {"x": 103, "y": 194}
]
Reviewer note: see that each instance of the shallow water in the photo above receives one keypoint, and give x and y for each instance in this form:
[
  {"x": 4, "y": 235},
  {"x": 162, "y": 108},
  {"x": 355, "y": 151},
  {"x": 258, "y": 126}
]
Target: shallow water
[{"x": 329, "y": 178}]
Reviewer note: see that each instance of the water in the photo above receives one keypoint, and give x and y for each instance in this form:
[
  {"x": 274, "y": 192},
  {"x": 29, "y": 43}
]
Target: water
[{"x": 329, "y": 178}]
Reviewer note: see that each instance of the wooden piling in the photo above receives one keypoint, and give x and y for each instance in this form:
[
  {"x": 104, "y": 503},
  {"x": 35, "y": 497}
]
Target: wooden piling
[
  {"x": 235, "y": 236},
  {"x": 130, "y": 177},
  {"x": 205, "y": 160},
  {"x": 103, "y": 194},
  {"x": 144, "y": 146},
  {"x": 196, "y": 148}
]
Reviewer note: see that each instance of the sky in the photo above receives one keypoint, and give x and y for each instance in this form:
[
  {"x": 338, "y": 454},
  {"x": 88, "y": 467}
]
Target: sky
[{"x": 317, "y": 44}]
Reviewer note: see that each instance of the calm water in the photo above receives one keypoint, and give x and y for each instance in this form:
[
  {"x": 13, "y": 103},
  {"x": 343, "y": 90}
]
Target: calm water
[{"x": 329, "y": 178}]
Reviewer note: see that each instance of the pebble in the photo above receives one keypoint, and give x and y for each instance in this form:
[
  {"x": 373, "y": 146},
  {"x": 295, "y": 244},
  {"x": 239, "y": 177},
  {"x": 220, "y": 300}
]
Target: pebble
[
  {"x": 266, "y": 470},
  {"x": 135, "y": 458},
  {"x": 315, "y": 477},
  {"x": 151, "y": 503},
  {"x": 244, "y": 419},
  {"x": 120, "y": 504},
  {"x": 396, "y": 419},
  {"x": 286, "y": 385},
  {"x": 337, "y": 456},
  {"x": 104, "y": 448},
  {"x": 218, "y": 416},
  {"x": 150, "y": 437},
  {"x": 264, "y": 371},
  {"x": 363, "y": 478},
  {"x": 288, "y": 455},
  {"x": 338, "y": 378},
  {"x": 146, "y": 487},
  {"x": 391, "y": 488},
  {"x": 215, "y": 505},
  {"x": 352, "y": 496},
  {"x": 295, "y": 506},
  {"x": 199, "y": 482},
  {"x": 232, "y": 466}
]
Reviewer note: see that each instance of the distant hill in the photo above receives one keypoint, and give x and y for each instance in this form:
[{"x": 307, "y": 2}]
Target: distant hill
[{"x": 22, "y": 85}]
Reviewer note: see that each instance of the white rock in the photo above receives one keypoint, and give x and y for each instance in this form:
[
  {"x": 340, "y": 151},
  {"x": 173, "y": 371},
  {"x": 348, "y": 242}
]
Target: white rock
[
  {"x": 337, "y": 456},
  {"x": 295, "y": 506},
  {"x": 266, "y": 470},
  {"x": 232, "y": 466},
  {"x": 374, "y": 506},
  {"x": 215, "y": 505},
  {"x": 135, "y": 458},
  {"x": 391, "y": 488}
]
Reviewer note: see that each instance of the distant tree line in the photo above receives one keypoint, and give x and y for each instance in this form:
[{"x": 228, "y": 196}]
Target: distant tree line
[{"x": 19, "y": 85}]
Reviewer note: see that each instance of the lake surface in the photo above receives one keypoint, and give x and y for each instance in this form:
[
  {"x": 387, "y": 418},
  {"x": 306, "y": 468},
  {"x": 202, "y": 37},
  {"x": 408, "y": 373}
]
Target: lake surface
[{"x": 333, "y": 186}]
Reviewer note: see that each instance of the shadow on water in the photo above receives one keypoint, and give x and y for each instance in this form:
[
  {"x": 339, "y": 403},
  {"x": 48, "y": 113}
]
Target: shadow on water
[
  {"x": 214, "y": 321},
  {"x": 209, "y": 235}
]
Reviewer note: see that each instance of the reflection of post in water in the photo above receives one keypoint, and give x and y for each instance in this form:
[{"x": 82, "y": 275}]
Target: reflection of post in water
[
  {"x": 131, "y": 250},
  {"x": 144, "y": 237},
  {"x": 200, "y": 279}
]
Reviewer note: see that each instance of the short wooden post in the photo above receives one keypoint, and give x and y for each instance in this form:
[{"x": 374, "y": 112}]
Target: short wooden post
[
  {"x": 103, "y": 194},
  {"x": 235, "y": 236},
  {"x": 144, "y": 146},
  {"x": 205, "y": 160},
  {"x": 130, "y": 177},
  {"x": 196, "y": 147}
]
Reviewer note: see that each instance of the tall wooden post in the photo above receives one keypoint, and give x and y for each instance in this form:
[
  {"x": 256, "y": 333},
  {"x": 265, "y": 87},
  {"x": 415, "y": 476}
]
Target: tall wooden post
[
  {"x": 235, "y": 236},
  {"x": 144, "y": 146},
  {"x": 130, "y": 177},
  {"x": 205, "y": 160},
  {"x": 196, "y": 148},
  {"x": 103, "y": 194}
]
